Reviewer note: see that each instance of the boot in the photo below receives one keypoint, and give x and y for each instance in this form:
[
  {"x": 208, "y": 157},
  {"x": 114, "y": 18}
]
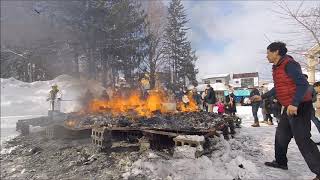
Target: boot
[
  {"x": 317, "y": 177},
  {"x": 232, "y": 131},
  {"x": 256, "y": 124},
  {"x": 318, "y": 143},
  {"x": 264, "y": 121},
  {"x": 274, "y": 164}
]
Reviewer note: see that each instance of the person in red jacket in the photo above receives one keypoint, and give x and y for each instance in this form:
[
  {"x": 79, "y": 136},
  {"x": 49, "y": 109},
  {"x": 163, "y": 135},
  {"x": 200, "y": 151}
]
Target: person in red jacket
[
  {"x": 221, "y": 107},
  {"x": 291, "y": 90}
]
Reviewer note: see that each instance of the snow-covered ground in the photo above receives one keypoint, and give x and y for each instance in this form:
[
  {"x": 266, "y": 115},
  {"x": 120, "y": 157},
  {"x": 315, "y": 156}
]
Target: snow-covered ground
[
  {"x": 241, "y": 157},
  {"x": 8, "y": 126},
  {"x": 20, "y": 100}
]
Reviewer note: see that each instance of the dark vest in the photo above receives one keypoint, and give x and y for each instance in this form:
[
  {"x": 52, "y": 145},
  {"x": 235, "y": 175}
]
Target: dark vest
[{"x": 284, "y": 85}]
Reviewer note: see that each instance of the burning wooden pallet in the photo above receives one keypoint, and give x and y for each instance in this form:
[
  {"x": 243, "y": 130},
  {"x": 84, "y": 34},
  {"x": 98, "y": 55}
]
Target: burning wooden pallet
[
  {"x": 22, "y": 126},
  {"x": 103, "y": 137},
  {"x": 64, "y": 132}
]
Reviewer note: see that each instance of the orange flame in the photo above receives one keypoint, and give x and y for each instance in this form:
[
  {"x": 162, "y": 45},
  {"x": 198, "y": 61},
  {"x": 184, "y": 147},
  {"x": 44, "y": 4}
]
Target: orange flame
[
  {"x": 190, "y": 107},
  {"x": 71, "y": 123},
  {"x": 135, "y": 104}
]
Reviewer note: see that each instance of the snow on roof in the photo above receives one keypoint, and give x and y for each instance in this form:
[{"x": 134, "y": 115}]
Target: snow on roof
[
  {"x": 215, "y": 76},
  {"x": 215, "y": 86}
]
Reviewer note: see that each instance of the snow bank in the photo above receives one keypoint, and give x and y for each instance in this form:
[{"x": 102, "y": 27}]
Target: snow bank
[
  {"x": 21, "y": 98},
  {"x": 227, "y": 162},
  {"x": 9, "y": 150},
  {"x": 240, "y": 158}
]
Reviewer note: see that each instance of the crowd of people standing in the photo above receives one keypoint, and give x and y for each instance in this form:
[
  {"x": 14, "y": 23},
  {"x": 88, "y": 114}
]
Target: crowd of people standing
[{"x": 207, "y": 100}]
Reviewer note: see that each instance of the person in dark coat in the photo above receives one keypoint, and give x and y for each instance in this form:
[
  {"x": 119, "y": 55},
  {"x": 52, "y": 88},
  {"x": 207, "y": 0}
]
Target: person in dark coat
[
  {"x": 267, "y": 106},
  {"x": 210, "y": 98},
  {"x": 292, "y": 91},
  {"x": 314, "y": 119},
  {"x": 196, "y": 96},
  {"x": 230, "y": 106},
  {"x": 203, "y": 100},
  {"x": 316, "y": 91},
  {"x": 276, "y": 109},
  {"x": 255, "y": 104}
]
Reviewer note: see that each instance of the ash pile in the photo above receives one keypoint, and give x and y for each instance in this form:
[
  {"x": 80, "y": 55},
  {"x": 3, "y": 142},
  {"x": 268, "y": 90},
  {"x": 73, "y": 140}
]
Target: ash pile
[
  {"x": 188, "y": 121},
  {"x": 116, "y": 143},
  {"x": 161, "y": 131}
]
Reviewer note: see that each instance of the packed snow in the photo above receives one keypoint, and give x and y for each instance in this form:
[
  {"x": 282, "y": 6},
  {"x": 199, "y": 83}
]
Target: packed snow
[
  {"x": 21, "y": 100},
  {"x": 239, "y": 158},
  {"x": 242, "y": 157}
]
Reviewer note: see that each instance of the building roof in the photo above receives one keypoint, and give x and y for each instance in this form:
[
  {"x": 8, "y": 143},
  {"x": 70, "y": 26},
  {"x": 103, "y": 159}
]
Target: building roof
[
  {"x": 215, "y": 76},
  {"x": 215, "y": 86},
  {"x": 245, "y": 75}
]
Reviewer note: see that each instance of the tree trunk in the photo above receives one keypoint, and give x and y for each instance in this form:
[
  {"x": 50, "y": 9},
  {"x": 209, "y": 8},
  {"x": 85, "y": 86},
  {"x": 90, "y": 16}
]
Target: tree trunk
[
  {"x": 76, "y": 64},
  {"x": 152, "y": 75},
  {"x": 104, "y": 63},
  {"x": 128, "y": 77},
  {"x": 91, "y": 64},
  {"x": 113, "y": 74}
]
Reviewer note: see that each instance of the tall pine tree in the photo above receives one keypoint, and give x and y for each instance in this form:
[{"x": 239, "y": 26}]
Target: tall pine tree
[{"x": 178, "y": 49}]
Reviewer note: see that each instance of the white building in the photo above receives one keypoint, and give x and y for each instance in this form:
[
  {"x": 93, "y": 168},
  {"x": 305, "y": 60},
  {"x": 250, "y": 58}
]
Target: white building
[
  {"x": 245, "y": 80},
  {"x": 216, "y": 78}
]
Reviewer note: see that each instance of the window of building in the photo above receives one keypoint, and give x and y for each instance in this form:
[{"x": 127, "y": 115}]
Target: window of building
[
  {"x": 206, "y": 81},
  {"x": 247, "y": 82},
  {"x": 218, "y": 81}
]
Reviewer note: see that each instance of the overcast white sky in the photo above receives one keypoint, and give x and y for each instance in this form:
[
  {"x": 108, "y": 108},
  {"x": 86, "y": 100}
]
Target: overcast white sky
[
  {"x": 229, "y": 36},
  {"x": 232, "y": 36}
]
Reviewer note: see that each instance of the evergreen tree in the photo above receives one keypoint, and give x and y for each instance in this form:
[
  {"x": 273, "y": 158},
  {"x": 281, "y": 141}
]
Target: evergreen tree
[
  {"x": 178, "y": 49},
  {"x": 107, "y": 37},
  {"x": 156, "y": 21},
  {"x": 109, "y": 33}
]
